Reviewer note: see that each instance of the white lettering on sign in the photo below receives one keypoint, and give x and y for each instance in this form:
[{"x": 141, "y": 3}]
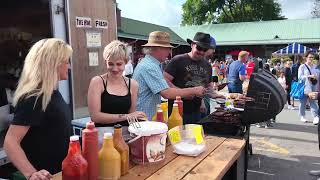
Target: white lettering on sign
[
  {"x": 101, "y": 24},
  {"x": 83, "y": 22}
]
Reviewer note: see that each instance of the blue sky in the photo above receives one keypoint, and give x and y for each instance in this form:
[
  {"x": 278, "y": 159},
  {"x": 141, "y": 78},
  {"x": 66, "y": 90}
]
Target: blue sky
[{"x": 168, "y": 12}]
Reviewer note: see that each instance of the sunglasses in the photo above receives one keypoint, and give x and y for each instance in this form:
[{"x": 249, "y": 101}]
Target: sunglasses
[{"x": 201, "y": 48}]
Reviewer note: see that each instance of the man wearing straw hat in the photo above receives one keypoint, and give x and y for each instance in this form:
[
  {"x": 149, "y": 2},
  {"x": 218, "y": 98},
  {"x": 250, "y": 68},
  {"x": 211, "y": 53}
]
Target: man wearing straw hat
[
  {"x": 149, "y": 75},
  {"x": 190, "y": 70}
]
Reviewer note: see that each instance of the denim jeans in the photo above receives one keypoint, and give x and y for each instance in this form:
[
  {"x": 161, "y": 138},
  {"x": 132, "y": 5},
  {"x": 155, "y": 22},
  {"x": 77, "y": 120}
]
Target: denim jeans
[
  {"x": 235, "y": 88},
  {"x": 191, "y": 118},
  {"x": 313, "y": 105}
]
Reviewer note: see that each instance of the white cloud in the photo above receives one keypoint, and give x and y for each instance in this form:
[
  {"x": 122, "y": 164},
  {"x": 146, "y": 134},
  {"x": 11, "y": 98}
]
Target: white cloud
[
  {"x": 162, "y": 12},
  {"x": 296, "y": 9},
  {"x": 168, "y": 12}
]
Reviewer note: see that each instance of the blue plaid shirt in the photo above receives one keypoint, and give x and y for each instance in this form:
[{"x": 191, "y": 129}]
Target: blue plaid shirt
[{"x": 149, "y": 75}]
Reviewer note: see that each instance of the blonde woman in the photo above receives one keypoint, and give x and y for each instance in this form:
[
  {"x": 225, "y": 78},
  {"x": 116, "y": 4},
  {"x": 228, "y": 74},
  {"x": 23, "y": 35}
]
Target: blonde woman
[
  {"x": 38, "y": 137},
  {"x": 111, "y": 96}
]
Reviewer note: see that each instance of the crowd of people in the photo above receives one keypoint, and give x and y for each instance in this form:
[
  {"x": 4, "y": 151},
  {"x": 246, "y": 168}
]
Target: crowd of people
[{"x": 38, "y": 137}]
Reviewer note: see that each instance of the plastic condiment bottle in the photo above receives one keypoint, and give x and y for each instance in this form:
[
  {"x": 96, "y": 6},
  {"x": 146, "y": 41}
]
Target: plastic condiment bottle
[
  {"x": 160, "y": 115},
  {"x": 154, "y": 117},
  {"x": 175, "y": 119},
  {"x": 164, "y": 107},
  {"x": 90, "y": 149},
  {"x": 109, "y": 159},
  {"x": 74, "y": 166},
  {"x": 122, "y": 148},
  {"x": 180, "y": 104}
]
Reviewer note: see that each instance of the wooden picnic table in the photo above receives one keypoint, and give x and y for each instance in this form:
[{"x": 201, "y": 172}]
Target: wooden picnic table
[{"x": 220, "y": 154}]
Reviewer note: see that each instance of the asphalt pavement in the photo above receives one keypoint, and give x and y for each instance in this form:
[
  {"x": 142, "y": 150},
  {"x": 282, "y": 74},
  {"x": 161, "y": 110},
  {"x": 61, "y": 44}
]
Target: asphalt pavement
[{"x": 286, "y": 151}]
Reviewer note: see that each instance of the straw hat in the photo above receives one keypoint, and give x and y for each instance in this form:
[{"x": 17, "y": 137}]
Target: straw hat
[{"x": 158, "y": 39}]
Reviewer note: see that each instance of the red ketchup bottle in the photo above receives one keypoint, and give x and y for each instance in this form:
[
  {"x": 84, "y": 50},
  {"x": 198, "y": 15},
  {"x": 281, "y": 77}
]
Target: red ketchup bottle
[
  {"x": 74, "y": 166},
  {"x": 160, "y": 115},
  {"x": 180, "y": 105},
  {"x": 90, "y": 149}
]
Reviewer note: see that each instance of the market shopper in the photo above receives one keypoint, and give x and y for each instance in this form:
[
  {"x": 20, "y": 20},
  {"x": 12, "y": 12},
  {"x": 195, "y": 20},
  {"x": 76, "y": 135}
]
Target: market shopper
[
  {"x": 111, "y": 96},
  {"x": 37, "y": 139},
  {"x": 149, "y": 75},
  {"x": 191, "y": 70},
  {"x": 288, "y": 78},
  {"x": 307, "y": 73},
  {"x": 237, "y": 73}
]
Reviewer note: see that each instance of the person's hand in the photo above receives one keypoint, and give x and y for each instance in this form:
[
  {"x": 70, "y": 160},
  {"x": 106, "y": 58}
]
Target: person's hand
[
  {"x": 199, "y": 91},
  {"x": 40, "y": 175},
  {"x": 203, "y": 108},
  {"x": 312, "y": 76},
  {"x": 138, "y": 115}
]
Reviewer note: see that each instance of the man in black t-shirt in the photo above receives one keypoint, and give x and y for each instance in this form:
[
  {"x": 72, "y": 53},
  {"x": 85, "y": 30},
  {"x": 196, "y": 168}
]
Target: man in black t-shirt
[{"x": 191, "y": 70}]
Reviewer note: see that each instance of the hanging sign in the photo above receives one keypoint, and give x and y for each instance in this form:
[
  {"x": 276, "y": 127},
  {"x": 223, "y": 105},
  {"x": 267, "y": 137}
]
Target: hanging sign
[
  {"x": 83, "y": 22},
  {"x": 93, "y": 39},
  {"x": 102, "y": 24}
]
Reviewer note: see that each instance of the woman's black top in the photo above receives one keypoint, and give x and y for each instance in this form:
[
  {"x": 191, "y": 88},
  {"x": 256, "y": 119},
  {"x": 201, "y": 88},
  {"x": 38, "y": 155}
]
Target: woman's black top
[
  {"x": 114, "y": 104},
  {"x": 47, "y": 140}
]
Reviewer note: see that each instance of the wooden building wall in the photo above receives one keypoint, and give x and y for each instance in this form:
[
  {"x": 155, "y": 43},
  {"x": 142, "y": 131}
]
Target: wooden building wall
[{"x": 82, "y": 72}]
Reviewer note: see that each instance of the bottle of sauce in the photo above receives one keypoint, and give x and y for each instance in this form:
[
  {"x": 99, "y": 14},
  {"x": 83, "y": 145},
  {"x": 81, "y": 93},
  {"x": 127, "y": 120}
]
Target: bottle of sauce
[
  {"x": 164, "y": 107},
  {"x": 160, "y": 117},
  {"x": 109, "y": 159},
  {"x": 90, "y": 149},
  {"x": 122, "y": 148},
  {"x": 180, "y": 104},
  {"x": 175, "y": 119},
  {"x": 74, "y": 166},
  {"x": 154, "y": 117}
]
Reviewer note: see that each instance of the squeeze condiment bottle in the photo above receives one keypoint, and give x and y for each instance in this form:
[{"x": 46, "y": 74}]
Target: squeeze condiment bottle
[
  {"x": 74, "y": 166},
  {"x": 109, "y": 159},
  {"x": 164, "y": 107},
  {"x": 175, "y": 119},
  {"x": 90, "y": 149},
  {"x": 180, "y": 104},
  {"x": 154, "y": 117},
  {"x": 122, "y": 148},
  {"x": 160, "y": 115}
]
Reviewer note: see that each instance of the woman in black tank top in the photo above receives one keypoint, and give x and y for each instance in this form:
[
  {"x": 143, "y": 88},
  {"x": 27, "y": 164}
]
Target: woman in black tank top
[{"x": 111, "y": 96}]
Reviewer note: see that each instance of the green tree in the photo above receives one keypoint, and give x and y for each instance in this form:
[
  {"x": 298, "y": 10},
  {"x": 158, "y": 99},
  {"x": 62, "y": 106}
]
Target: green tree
[
  {"x": 197, "y": 12},
  {"x": 316, "y": 9}
]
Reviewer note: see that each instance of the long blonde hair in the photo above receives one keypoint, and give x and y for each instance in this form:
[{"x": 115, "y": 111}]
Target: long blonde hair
[{"x": 40, "y": 75}]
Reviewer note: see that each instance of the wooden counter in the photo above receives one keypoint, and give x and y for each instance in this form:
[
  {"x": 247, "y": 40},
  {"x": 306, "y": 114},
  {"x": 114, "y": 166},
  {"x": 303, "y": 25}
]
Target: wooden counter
[{"x": 219, "y": 156}]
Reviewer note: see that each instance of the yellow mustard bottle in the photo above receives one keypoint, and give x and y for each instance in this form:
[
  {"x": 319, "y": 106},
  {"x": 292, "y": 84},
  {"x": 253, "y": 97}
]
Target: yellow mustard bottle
[
  {"x": 122, "y": 148},
  {"x": 109, "y": 159},
  {"x": 175, "y": 119},
  {"x": 154, "y": 117},
  {"x": 164, "y": 107}
]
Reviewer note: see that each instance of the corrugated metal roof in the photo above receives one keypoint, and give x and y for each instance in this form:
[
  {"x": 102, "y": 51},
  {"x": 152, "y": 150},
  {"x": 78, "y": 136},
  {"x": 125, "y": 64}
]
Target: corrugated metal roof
[
  {"x": 134, "y": 29},
  {"x": 258, "y": 33}
]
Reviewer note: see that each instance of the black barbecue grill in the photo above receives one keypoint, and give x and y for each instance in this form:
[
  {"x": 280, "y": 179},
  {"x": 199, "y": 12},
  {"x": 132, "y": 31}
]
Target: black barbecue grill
[{"x": 269, "y": 100}]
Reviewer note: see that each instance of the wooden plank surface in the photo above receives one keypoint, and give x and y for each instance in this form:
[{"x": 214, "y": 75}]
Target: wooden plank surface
[
  {"x": 220, "y": 154},
  {"x": 218, "y": 162},
  {"x": 181, "y": 165},
  {"x": 144, "y": 171}
]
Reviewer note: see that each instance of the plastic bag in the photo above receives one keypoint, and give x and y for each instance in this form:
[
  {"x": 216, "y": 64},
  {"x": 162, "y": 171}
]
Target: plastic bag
[{"x": 187, "y": 140}]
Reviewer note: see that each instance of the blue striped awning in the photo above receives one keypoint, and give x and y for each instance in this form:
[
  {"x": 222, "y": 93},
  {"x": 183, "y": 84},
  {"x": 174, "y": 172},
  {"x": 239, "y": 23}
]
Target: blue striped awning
[{"x": 294, "y": 48}]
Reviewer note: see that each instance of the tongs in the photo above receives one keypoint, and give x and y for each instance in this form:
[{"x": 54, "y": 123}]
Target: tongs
[{"x": 133, "y": 121}]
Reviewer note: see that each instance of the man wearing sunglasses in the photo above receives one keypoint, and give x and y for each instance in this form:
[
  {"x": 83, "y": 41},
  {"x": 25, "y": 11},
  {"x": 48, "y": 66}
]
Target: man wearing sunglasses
[{"x": 191, "y": 70}]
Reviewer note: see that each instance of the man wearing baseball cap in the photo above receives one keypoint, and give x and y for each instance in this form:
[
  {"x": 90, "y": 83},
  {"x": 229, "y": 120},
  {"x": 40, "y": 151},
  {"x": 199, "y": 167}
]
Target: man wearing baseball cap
[
  {"x": 149, "y": 75},
  {"x": 190, "y": 70}
]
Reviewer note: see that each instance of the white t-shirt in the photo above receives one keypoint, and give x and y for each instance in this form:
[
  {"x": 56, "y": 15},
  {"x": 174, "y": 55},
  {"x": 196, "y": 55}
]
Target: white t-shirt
[{"x": 128, "y": 69}]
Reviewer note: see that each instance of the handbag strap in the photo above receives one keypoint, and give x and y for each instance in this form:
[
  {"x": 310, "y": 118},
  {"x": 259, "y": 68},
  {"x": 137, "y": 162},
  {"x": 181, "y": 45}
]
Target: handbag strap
[{"x": 308, "y": 69}]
